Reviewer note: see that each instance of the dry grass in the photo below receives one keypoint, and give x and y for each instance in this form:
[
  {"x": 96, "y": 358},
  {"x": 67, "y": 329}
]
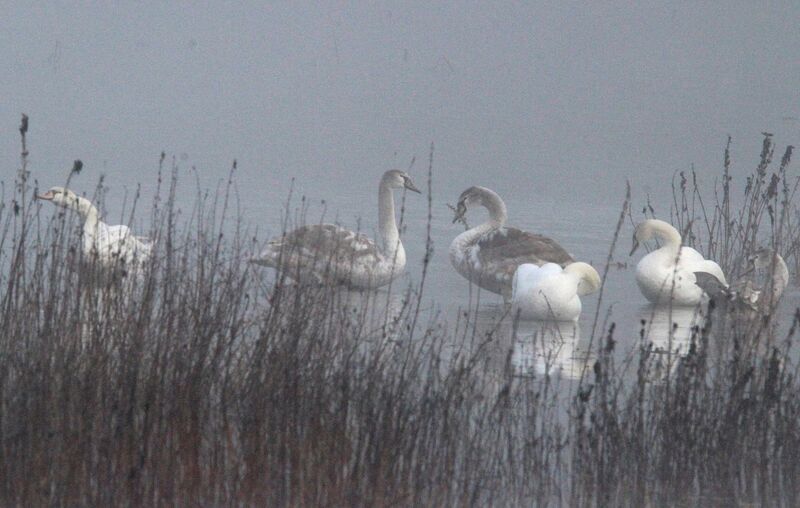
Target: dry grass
[{"x": 199, "y": 385}]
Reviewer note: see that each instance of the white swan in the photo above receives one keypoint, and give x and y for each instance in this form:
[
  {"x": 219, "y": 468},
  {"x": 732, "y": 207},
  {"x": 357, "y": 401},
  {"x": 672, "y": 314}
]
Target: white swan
[
  {"x": 110, "y": 246},
  {"x": 668, "y": 272},
  {"x": 549, "y": 292},
  {"x": 489, "y": 254},
  {"x": 327, "y": 253}
]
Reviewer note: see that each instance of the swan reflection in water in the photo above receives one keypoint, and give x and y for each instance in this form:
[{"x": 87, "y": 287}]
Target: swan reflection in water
[
  {"x": 670, "y": 330},
  {"x": 533, "y": 348},
  {"x": 370, "y": 314},
  {"x": 556, "y": 348},
  {"x": 551, "y": 348},
  {"x": 373, "y": 310}
]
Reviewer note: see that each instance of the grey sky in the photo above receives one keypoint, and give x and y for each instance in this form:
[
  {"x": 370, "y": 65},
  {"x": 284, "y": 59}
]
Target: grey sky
[{"x": 525, "y": 98}]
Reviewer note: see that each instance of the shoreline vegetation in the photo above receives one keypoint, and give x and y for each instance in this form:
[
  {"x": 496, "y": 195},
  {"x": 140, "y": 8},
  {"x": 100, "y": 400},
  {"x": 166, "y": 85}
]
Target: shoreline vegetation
[{"x": 199, "y": 383}]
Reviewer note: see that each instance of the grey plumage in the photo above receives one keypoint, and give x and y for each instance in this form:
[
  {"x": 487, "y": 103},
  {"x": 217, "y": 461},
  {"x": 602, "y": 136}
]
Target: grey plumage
[
  {"x": 325, "y": 252},
  {"x": 712, "y": 286},
  {"x": 330, "y": 254},
  {"x": 489, "y": 254}
]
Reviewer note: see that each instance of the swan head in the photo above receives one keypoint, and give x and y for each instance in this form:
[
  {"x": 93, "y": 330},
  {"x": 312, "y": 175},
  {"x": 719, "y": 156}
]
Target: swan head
[
  {"x": 589, "y": 279},
  {"x": 761, "y": 258},
  {"x": 396, "y": 179},
  {"x": 646, "y": 230},
  {"x": 476, "y": 196},
  {"x": 62, "y": 197}
]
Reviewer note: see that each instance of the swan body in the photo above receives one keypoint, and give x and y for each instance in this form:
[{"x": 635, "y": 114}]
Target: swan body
[
  {"x": 330, "y": 254},
  {"x": 110, "y": 246},
  {"x": 778, "y": 275},
  {"x": 669, "y": 272},
  {"x": 745, "y": 292},
  {"x": 488, "y": 255},
  {"x": 549, "y": 292}
]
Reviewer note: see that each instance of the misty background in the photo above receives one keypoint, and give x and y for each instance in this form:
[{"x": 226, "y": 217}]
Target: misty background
[{"x": 552, "y": 105}]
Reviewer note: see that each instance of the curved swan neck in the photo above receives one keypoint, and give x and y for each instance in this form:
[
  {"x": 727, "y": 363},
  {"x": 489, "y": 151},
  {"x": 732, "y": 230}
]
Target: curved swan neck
[
  {"x": 498, "y": 212},
  {"x": 665, "y": 232},
  {"x": 471, "y": 236},
  {"x": 586, "y": 277},
  {"x": 387, "y": 223},
  {"x": 86, "y": 210},
  {"x": 90, "y": 216}
]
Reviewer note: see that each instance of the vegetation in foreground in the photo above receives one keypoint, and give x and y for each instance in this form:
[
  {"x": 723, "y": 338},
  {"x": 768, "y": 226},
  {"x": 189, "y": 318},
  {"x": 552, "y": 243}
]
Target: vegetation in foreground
[{"x": 196, "y": 384}]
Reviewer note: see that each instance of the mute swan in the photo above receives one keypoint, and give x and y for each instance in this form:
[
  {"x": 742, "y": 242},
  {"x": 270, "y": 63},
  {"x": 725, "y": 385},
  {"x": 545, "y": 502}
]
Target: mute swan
[
  {"x": 668, "y": 272},
  {"x": 489, "y": 254},
  {"x": 745, "y": 291},
  {"x": 549, "y": 292},
  {"x": 111, "y": 246},
  {"x": 778, "y": 274},
  {"x": 327, "y": 253}
]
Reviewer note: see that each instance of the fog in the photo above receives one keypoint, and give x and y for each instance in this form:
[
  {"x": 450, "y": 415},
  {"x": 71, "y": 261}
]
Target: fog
[
  {"x": 554, "y": 106},
  {"x": 535, "y": 101}
]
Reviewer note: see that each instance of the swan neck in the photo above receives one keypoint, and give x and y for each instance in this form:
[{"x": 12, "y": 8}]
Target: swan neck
[
  {"x": 472, "y": 235},
  {"x": 669, "y": 236},
  {"x": 585, "y": 278},
  {"x": 387, "y": 223},
  {"x": 498, "y": 213},
  {"x": 88, "y": 212}
]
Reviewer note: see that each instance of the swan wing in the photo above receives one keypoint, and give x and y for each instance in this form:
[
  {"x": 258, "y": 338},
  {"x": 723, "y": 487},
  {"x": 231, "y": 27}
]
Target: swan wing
[
  {"x": 546, "y": 292},
  {"x": 525, "y": 278},
  {"x": 495, "y": 256},
  {"x": 504, "y": 249},
  {"x": 122, "y": 233},
  {"x": 323, "y": 243},
  {"x": 690, "y": 256},
  {"x": 112, "y": 234},
  {"x": 117, "y": 242},
  {"x": 710, "y": 267},
  {"x": 710, "y": 284}
]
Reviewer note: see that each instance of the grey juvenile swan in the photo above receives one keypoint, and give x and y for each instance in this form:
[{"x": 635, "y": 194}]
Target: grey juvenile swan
[
  {"x": 330, "y": 254},
  {"x": 489, "y": 254},
  {"x": 744, "y": 291}
]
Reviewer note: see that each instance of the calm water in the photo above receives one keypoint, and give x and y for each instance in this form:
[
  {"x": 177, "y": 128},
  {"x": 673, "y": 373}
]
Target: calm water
[
  {"x": 584, "y": 227},
  {"x": 586, "y": 230},
  {"x": 553, "y": 107}
]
